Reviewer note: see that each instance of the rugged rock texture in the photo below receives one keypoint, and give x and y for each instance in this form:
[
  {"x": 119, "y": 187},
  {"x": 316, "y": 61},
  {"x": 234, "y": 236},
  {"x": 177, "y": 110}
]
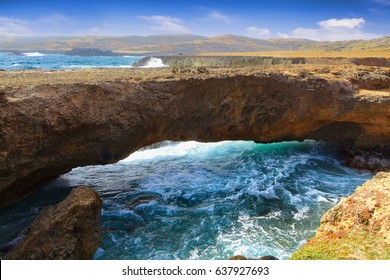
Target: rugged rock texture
[
  {"x": 68, "y": 230},
  {"x": 241, "y": 61},
  {"x": 53, "y": 121},
  {"x": 358, "y": 227},
  {"x": 243, "y": 258},
  {"x": 218, "y": 61}
]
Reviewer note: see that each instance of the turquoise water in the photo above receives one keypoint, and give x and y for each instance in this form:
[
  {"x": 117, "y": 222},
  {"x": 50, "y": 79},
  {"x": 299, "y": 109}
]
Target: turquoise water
[
  {"x": 193, "y": 200},
  {"x": 36, "y": 60}
]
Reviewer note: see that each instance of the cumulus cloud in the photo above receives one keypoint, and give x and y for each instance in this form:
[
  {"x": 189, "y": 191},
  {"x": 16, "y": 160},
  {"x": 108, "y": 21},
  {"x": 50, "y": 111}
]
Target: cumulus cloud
[
  {"x": 56, "y": 19},
  {"x": 166, "y": 23},
  {"x": 13, "y": 26},
  {"x": 335, "y": 30},
  {"x": 258, "y": 31},
  {"x": 219, "y": 16},
  {"x": 344, "y": 22}
]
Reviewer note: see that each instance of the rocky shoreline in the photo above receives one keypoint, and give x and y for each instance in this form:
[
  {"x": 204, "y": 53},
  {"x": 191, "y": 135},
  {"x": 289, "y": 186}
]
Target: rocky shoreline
[
  {"x": 69, "y": 230},
  {"x": 357, "y": 228},
  {"x": 52, "y": 121},
  {"x": 245, "y": 61}
]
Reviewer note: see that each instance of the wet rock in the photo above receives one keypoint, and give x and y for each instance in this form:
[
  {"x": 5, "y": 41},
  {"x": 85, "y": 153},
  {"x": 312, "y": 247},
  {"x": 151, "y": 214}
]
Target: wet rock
[
  {"x": 240, "y": 257},
  {"x": 68, "y": 230},
  {"x": 268, "y": 258}
]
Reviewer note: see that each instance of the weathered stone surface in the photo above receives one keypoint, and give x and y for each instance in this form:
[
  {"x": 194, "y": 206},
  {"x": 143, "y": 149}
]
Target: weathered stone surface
[
  {"x": 69, "y": 230},
  {"x": 243, "y": 258},
  {"x": 358, "y": 227},
  {"x": 51, "y": 122}
]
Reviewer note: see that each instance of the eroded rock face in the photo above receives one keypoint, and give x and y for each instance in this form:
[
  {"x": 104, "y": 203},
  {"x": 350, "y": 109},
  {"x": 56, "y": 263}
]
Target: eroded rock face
[
  {"x": 70, "y": 230},
  {"x": 243, "y": 258},
  {"x": 358, "y": 227},
  {"x": 51, "y": 122}
]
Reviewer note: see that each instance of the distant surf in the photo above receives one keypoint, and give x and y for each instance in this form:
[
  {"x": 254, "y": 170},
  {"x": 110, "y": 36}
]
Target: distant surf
[
  {"x": 154, "y": 62},
  {"x": 33, "y": 54}
]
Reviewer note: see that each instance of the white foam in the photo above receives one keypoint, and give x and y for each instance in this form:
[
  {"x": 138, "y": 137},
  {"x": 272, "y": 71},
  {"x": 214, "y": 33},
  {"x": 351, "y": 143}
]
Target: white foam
[
  {"x": 33, "y": 54},
  {"x": 175, "y": 150},
  {"x": 154, "y": 62},
  {"x": 301, "y": 214}
]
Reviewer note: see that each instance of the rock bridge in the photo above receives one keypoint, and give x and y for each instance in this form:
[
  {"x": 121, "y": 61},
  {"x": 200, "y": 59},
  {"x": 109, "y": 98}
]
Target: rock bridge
[{"x": 51, "y": 122}]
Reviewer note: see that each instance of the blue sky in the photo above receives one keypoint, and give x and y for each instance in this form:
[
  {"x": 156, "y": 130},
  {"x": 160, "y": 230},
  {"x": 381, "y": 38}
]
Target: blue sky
[{"x": 317, "y": 20}]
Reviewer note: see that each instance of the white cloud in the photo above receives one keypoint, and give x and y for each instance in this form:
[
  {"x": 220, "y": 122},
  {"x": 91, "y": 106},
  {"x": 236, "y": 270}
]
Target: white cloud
[
  {"x": 258, "y": 31},
  {"x": 335, "y": 30},
  {"x": 164, "y": 23},
  {"x": 219, "y": 16},
  {"x": 56, "y": 19},
  {"x": 344, "y": 22},
  {"x": 13, "y": 26}
]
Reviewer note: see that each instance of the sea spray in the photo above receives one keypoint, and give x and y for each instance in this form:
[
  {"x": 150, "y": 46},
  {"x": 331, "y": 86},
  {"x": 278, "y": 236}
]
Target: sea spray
[
  {"x": 191, "y": 200},
  {"x": 154, "y": 62}
]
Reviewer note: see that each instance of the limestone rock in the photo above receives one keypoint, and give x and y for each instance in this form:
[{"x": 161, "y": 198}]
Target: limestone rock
[
  {"x": 69, "y": 230},
  {"x": 53, "y": 122},
  {"x": 358, "y": 227}
]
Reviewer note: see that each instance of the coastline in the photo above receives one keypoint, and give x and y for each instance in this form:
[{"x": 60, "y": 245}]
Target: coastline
[{"x": 338, "y": 84}]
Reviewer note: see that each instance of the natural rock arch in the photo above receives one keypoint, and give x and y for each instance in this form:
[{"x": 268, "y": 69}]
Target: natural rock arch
[{"x": 48, "y": 129}]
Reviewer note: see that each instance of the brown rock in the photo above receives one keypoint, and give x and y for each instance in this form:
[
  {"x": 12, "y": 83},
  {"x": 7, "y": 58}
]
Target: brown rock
[
  {"x": 358, "y": 227},
  {"x": 70, "y": 230},
  {"x": 52, "y": 122},
  {"x": 240, "y": 257}
]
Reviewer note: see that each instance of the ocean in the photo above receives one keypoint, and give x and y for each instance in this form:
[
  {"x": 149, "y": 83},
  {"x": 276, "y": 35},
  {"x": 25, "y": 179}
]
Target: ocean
[
  {"x": 191, "y": 200},
  {"x": 37, "y": 60}
]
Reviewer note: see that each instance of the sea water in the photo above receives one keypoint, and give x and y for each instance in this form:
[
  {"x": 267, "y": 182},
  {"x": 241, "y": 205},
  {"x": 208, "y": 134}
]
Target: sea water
[
  {"x": 191, "y": 200},
  {"x": 36, "y": 60}
]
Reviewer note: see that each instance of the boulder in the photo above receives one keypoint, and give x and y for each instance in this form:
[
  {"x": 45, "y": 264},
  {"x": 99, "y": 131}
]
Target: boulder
[
  {"x": 243, "y": 258},
  {"x": 69, "y": 230}
]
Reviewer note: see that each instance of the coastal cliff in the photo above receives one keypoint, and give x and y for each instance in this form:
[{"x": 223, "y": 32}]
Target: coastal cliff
[
  {"x": 244, "y": 61},
  {"x": 358, "y": 227},
  {"x": 54, "y": 121}
]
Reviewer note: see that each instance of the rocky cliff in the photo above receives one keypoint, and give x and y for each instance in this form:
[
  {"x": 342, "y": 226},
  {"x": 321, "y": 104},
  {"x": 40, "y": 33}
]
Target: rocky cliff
[
  {"x": 70, "y": 230},
  {"x": 242, "y": 61},
  {"x": 358, "y": 227},
  {"x": 52, "y": 121}
]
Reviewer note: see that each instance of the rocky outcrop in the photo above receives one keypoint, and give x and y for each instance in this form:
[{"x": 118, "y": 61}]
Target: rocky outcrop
[
  {"x": 242, "y": 61},
  {"x": 51, "y": 122},
  {"x": 90, "y": 52},
  {"x": 218, "y": 61},
  {"x": 243, "y": 258},
  {"x": 70, "y": 230},
  {"x": 358, "y": 227}
]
